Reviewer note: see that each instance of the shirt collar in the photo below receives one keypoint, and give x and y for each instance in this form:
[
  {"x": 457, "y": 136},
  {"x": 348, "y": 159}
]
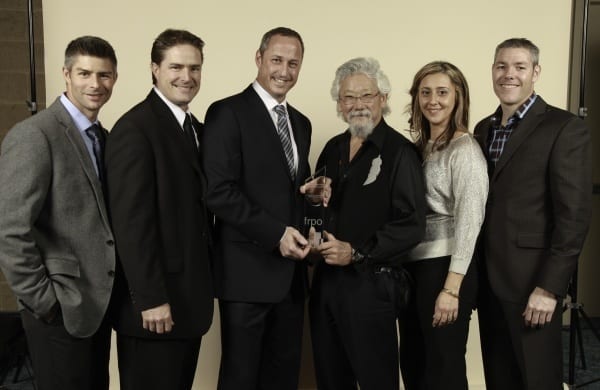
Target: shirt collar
[
  {"x": 269, "y": 101},
  {"x": 81, "y": 121},
  {"x": 519, "y": 113},
  {"x": 377, "y": 137},
  {"x": 175, "y": 109}
]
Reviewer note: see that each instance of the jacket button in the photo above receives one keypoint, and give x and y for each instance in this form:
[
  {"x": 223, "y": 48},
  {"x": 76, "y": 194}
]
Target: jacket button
[
  {"x": 111, "y": 273},
  {"x": 110, "y": 243}
]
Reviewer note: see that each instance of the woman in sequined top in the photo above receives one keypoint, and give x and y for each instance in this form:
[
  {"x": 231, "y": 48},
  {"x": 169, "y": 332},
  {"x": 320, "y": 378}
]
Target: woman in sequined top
[{"x": 435, "y": 328}]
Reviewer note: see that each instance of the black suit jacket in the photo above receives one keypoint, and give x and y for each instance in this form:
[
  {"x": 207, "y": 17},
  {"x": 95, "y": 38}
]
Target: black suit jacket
[
  {"x": 252, "y": 195},
  {"x": 156, "y": 189},
  {"x": 539, "y": 205}
]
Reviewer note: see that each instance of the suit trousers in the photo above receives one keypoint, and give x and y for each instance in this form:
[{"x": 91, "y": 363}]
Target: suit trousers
[
  {"x": 434, "y": 358},
  {"x": 261, "y": 344},
  {"x": 148, "y": 364},
  {"x": 353, "y": 329},
  {"x": 63, "y": 362},
  {"x": 515, "y": 356}
]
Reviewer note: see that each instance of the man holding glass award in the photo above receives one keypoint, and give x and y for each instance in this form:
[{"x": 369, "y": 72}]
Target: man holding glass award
[
  {"x": 376, "y": 214},
  {"x": 256, "y": 159}
]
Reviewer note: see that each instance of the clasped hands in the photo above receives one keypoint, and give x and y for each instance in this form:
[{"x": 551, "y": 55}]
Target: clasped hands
[{"x": 293, "y": 245}]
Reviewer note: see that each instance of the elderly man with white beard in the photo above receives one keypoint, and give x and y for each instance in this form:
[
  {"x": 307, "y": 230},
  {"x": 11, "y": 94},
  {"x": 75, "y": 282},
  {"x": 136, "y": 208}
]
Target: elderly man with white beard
[{"x": 375, "y": 216}]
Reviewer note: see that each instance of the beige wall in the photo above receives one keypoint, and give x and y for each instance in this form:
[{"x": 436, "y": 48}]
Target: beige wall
[{"x": 402, "y": 34}]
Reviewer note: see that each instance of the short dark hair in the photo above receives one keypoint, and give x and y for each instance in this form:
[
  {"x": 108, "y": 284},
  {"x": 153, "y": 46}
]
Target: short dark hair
[
  {"x": 90, "y": 46},
  {"x": 170, "y": 38},
  {"x": 520, "y": 43},
  {"x": 283, "y": 31}
]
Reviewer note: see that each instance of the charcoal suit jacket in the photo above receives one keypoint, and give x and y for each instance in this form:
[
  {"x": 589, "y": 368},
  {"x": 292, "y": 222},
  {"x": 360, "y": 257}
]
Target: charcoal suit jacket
[
  {"x": 156, "y": 190},
  {"x": 253, "y": 196},
  {"x": 539, "y": 205}
]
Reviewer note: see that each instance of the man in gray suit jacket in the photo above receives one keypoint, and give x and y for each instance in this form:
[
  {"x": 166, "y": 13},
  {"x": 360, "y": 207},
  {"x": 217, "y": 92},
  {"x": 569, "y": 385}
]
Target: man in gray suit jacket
[{"x": 56, "y": 246}]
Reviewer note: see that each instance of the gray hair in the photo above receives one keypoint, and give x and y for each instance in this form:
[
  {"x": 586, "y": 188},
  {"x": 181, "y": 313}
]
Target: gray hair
[{"x": 370, "y": 68}]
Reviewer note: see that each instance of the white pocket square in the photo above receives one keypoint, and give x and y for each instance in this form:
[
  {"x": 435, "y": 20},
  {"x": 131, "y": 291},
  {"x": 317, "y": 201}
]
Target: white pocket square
[{"x": 374, "y": 171}]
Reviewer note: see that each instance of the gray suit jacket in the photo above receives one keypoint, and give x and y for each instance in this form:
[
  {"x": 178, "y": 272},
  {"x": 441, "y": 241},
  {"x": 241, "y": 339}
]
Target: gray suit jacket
[{"x": 55, "y": 239}]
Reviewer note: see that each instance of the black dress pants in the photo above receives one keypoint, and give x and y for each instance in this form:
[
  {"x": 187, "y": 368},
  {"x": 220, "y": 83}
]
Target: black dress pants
[
  {"x": 353, "y": 328},
  {"x": 261, "y": 344},
  {"x": 63, "y": 362},
  {"x": 434, "y": 358},
  {"x": 148, "y": 364}
]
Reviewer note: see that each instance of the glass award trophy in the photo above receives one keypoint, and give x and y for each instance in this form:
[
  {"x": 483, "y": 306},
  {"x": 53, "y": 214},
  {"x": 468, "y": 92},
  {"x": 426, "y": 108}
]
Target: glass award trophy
[{"x": 314, "y": 211}]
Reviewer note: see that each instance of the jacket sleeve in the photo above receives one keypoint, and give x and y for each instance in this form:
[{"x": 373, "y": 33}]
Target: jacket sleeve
[
  {"x": 571, "y": 191},
  {"x": 25, "y": 177},
  {"x": 132, "y": 193}
]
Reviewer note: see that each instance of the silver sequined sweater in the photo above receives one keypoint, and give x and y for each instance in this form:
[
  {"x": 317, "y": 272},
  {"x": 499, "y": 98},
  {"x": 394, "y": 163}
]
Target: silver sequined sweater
[{"x": 456, "y": 184}]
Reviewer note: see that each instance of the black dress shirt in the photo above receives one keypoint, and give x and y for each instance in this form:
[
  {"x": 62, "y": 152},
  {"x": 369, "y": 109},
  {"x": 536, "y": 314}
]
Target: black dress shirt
[{"x": 378, "y": 201}]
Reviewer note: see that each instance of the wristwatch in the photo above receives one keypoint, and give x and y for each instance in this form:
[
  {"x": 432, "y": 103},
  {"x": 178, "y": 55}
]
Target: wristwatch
[{"x": 357, "y": 257}]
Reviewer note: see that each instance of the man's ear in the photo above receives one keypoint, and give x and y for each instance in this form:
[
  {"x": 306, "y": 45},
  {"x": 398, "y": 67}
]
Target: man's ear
[{"x": 258, "y": 58}]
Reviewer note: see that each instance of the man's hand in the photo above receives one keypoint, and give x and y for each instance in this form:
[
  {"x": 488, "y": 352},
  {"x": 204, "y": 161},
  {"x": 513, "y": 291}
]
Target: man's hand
[
  {"x": 293, "y": 245},
  {"x": 540, "y": 307},
  {"x": 318, "y": 190},
  {"x": 334, "y": 251},
  {"x": 158, "y": 319}
]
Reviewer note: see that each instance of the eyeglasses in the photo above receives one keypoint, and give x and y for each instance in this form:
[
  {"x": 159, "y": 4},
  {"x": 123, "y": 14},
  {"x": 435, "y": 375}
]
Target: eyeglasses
[{"x": 366, "y": 98}]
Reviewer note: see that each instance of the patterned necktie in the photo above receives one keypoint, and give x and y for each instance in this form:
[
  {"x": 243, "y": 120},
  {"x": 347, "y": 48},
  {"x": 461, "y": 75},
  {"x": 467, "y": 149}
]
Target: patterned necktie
[
  {"x": 188, "y": 129},
  {"x": 95, "y": 133},
  {"x": 284, "y": 136}
]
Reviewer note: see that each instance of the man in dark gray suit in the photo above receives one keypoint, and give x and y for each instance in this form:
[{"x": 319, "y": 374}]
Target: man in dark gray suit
[
  {"x": 537, "y": 216},
  {"x": 56, "y": 246},
  {"x": 256, "y": 157}
]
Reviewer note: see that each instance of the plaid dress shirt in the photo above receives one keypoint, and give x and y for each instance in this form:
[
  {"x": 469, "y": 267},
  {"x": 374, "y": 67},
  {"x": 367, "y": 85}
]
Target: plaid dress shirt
[{"x": 500, "y": 134}]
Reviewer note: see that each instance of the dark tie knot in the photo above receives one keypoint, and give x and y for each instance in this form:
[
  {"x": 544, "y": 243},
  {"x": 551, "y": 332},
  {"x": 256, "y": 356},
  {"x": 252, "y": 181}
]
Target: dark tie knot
[
  {"x": 187, "y": 121},
  {"x": 189, "y": 132},
  {"x": 94, "y": 132}
]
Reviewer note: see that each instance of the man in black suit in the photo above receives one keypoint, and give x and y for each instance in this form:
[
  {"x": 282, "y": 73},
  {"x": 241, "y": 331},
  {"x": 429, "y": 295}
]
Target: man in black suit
[
  {"x": 537, "y": 217},
  {"x": 156, "y": 187},
  {"x": 255, "y": 150}
]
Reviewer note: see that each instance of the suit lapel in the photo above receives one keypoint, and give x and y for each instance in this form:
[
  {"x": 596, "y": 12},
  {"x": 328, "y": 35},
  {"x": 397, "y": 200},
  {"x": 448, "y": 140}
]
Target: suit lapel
[
  {"x": 75, "y": 139},
  {"x": 265, "y": 121},
  {"x": 302, "y": 141},
  {"x": 174, "y": 134},
  {"x": 526, "y": 126}
]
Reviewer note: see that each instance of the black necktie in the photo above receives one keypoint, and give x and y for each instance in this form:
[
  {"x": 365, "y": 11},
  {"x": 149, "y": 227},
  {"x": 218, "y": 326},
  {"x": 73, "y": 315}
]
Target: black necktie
[
  {"x": 188, "y": 129},
  {"x": 284, "y": 136},
  {"x": 96, "y": 134}
]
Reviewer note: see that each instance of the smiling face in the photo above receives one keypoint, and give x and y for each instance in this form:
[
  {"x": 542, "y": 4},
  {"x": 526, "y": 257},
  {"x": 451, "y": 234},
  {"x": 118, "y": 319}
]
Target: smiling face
[
  {"x": 279, "y": 65},
  {"x": 362, "y": 115},
  {"x": 514, "y": 76},
  {"x": 90, "y": 82},
  {"x": 178, "y": 74},
  {"x": 437, "y": 99}
]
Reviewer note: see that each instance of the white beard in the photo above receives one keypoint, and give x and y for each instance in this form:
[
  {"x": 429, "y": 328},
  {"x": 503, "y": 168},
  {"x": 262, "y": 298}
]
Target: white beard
[{"x": 361, "y": 130}]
